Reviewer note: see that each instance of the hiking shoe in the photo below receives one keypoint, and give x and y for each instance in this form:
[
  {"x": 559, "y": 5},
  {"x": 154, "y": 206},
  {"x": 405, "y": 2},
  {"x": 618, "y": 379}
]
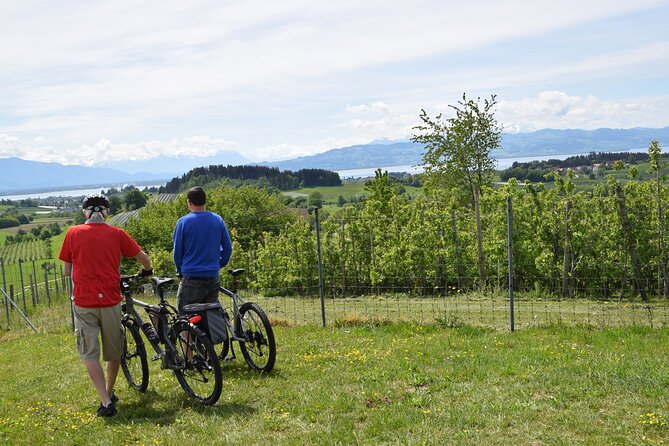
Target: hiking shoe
[{"x": 108, "y": 411}]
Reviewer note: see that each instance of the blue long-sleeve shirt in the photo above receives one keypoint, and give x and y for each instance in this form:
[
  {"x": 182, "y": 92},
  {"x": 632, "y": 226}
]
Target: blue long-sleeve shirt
[{"x": 202, "y": 244}]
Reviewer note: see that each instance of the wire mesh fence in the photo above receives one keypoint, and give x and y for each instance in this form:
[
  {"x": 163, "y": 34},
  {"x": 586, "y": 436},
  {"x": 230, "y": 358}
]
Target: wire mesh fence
[
  {"x": 490, "y": 307},
  {"x": 568, "y": 261}
]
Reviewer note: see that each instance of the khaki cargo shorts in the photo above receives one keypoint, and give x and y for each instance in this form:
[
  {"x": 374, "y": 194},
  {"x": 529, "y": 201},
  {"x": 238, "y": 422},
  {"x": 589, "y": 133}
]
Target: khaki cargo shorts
[{"x": 89, "y": 322}]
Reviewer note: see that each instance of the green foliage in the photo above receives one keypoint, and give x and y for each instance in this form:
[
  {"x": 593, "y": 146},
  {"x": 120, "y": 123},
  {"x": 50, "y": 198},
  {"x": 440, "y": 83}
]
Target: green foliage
[
  {"x": 249, "y": 213},
  {"x": 315, "y": 200},
  {"x": 264, "y": 177},
  {"x": 9, "y": 222},
  {"x": 115, "y": 204},
  {"x": 380, "y": 190},
  {"x": 134, "y": 199}
]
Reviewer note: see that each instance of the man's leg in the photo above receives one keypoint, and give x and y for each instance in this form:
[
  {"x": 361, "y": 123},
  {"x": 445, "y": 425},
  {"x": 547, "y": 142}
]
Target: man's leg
[
  {"x": 98, "y": 378},
  {"x": 112, "y": 373}
]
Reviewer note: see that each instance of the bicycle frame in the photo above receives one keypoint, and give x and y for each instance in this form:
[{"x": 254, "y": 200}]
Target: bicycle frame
[
  {"x": 166, "y": 312},
  {"x": 237, "y": 302}
]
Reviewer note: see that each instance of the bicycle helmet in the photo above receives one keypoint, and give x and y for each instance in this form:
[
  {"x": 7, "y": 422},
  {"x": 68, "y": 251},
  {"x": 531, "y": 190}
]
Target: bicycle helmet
[{"x": 95, "y": 203}]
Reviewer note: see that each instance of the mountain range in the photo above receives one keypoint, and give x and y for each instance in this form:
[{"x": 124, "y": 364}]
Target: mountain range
[
  {"x": 20, "y": 175},
  {"x": 547, "y": 142}
]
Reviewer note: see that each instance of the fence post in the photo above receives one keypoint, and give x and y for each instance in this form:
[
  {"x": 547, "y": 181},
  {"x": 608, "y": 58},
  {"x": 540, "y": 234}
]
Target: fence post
[
  {"x": 320, "y": 266},
  {"x": 4, "y": 286},
  {"x": 23, "y": 287},
  {"x": 55, "y": 278},
  {"x": 32, "y": 289},
  {"x": 46, "y": 281},
  {"x": 509, "y": 210},
  {"x": 36, "y": 283},
  {"x": 62, "y": 277},
  {"x": 2, "y": 266}
]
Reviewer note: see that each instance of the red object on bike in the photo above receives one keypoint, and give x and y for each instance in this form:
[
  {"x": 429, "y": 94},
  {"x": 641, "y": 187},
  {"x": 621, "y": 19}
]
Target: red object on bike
[{"x": 195, "y": 319}]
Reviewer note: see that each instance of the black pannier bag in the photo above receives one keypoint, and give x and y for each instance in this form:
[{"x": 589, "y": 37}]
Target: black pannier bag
[{"x": 212, "y": 322}]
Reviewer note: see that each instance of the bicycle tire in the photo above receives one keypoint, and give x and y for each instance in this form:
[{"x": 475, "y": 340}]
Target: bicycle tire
[
  {"x": 201, "y": 378},
  {"x": 134, "y": 364},
  {"x": 259, "y": 345}
]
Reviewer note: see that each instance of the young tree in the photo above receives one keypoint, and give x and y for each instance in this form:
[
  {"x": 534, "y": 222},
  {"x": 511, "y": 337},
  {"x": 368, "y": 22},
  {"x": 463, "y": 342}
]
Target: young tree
[
  {"x": 379, "y": 191},
  {"x": 654, "y": 151},
  {"x": 457, "y": 154}
]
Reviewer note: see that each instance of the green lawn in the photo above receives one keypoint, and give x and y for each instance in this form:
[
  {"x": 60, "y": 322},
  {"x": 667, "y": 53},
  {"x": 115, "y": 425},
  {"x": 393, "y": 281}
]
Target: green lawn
[{"x": 401, "y": 383}]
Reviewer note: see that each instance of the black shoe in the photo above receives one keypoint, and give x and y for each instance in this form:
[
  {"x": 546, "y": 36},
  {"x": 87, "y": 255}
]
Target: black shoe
[
  {"x": 113, "y": 397},
  {"x": 108, "y": 411}
]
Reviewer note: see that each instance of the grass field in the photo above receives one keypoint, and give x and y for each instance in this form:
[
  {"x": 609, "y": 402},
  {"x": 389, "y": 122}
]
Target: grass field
[{"x": 357, "y": 383}]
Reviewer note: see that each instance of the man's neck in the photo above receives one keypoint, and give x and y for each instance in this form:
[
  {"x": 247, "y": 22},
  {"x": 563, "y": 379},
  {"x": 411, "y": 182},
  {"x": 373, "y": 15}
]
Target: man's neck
[
  {"x": 96, "y": 217},
  {"x": 194, "y": 208}
]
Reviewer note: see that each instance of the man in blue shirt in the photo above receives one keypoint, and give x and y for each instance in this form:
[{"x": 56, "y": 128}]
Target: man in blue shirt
[{"x": 202, "y": 247}]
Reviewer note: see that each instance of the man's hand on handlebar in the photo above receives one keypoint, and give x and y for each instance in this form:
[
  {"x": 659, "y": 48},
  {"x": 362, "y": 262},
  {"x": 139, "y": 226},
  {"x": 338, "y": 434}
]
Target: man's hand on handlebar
[{"x": 145, "y": 272}]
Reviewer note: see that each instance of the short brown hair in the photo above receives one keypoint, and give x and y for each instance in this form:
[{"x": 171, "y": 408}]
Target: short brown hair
[{"x": 197, "y": 196}]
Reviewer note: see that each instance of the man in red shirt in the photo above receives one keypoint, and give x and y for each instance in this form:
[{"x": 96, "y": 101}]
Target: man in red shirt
[{"x": 92, "y": 256}]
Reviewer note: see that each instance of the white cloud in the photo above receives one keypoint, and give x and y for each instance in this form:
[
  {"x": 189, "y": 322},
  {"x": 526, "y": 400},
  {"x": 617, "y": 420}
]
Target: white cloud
[
  {"x": 105, "y": 152},
  {"x": 377, "y": 106},
  {"x": 92, "y": 82},
  {"x": 10, "y": 146},
  {"x": 556, "y": 109}
]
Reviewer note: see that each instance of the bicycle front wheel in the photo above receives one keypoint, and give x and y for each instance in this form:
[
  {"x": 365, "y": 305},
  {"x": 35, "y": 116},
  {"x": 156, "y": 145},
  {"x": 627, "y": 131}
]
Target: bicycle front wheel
[
  {"x": 133, "y": 357},
  {"x": 259, "y": 349},
  {"x": 201, "y": 377}
]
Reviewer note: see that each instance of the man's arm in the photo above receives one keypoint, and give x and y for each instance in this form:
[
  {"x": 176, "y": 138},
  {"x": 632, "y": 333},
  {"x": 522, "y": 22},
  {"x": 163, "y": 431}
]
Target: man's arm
[
  {"x": 67, "y": 269},
  {"x": 226, "y": 246},
  {"x": 144, "y": 259},
  {"x": 177, "y": 251}
]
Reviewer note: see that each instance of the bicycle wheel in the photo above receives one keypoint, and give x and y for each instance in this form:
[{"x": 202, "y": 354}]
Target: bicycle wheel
[
  {"x": 259, "y": 349},
  {"x": 201, "y": 378},
  {"x": 133, "y": 357},
  {"x": 225, "y": 348}
]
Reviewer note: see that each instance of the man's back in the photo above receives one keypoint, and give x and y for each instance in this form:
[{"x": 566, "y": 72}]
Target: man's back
[
  {"x": 201, "y": 244},
  {"x": 95, "y": 249}
]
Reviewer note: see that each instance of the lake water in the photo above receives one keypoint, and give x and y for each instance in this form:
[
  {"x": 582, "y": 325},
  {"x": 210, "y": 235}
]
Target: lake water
[
  {"x": 70, "y": 192},
  {"x": 502, "y": 163}
]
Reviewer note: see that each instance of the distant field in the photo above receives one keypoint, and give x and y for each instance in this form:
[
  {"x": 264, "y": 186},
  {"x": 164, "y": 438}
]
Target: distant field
[
  {"x": 348, "y": 189},
  {"x": 36, "y": 223}
]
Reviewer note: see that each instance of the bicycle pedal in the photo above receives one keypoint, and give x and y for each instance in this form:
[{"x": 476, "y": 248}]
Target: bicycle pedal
[
  {"x": 157, "y": 356},
  {"x": 229, "y": 358}
]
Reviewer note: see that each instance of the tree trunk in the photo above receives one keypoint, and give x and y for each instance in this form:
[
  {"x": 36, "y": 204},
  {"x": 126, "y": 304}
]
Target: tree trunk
[
  {"x": 479, "y": 236},
  {"x": 566, "y": 263},
  {"x": 343, "y": 259},
  {"x": 660, "y": 218},
  {"x": 629, "y": 239},
  {"x": 456, "y": 249}
]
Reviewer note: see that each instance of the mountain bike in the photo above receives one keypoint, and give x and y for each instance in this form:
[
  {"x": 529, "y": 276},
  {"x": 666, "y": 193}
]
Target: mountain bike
[
  {"x": 250, "y": 328},
  {"x": 179, "y": 344}
]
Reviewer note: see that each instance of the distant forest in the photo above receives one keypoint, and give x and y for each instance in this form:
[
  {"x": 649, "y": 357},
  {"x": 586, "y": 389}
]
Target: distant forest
[{"x": 282, "y": 180}]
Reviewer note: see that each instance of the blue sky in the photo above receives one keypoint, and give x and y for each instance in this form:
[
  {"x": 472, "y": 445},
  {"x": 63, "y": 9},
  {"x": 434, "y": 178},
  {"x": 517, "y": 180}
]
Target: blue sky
[{"x": 96, "y": 82}]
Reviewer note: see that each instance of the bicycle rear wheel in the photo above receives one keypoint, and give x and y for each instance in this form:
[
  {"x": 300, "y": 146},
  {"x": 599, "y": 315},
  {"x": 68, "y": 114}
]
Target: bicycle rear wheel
[
  {"x": 201, "y": 378},
  {"x": 133, "y": 357},
  {"x": 259, "y": 349}
]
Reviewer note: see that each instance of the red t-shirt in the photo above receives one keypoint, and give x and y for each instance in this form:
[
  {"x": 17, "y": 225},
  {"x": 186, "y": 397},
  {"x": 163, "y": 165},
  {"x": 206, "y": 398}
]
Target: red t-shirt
[{"x": 95, "y": 250}]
